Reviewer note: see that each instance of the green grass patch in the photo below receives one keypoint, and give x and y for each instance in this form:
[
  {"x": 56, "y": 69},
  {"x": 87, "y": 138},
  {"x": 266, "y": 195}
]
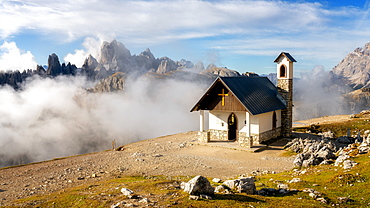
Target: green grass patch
[{"x": 163, "y": 191}]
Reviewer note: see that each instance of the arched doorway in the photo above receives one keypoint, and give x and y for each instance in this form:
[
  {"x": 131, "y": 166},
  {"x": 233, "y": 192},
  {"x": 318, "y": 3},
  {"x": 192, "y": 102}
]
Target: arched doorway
[
  {"x": 232, "y": 127},
  {"x": 282, "y": 71},
  {"x": 274, "y": 120}
]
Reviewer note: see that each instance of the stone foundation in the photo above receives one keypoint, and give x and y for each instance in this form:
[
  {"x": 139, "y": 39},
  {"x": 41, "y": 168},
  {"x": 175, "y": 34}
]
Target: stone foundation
[
  {"x": 218, "y": 135},
  {"x": 203, "y": 136},
  {"x": 243, "y": 139},
  {"x": 267, "y": 135}
]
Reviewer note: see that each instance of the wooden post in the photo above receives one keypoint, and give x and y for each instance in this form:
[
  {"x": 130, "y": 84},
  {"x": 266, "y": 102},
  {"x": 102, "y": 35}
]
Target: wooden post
[{"x": 114, "y": 144}]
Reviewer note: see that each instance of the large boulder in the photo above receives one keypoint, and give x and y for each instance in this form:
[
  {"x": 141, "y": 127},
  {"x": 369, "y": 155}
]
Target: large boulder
[
  {"x": 242, "y": 185},
  {"x": 197, "y": 186}
]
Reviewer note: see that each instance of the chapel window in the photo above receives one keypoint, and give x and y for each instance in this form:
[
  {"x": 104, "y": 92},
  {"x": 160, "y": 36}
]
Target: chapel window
[{"x": 282, "y": 71}]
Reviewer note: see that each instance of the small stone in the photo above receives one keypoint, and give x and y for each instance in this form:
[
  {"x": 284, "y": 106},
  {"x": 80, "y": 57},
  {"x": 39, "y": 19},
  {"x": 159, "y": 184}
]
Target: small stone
[
  {"x": 282, "y": 186},
  {"x": 93, "y": 175},
  {"x": 126, "y": 191},
  {"x": 322, "y": 200},
  {"x": 216, "y": 180},
  {"x": 312, "y": 195},
  {"x": 193, "y": 197},
  {"x": 203, "y": 196},
  {"x": 295, "y": 180},
  {"x": 144, "y": 200}
]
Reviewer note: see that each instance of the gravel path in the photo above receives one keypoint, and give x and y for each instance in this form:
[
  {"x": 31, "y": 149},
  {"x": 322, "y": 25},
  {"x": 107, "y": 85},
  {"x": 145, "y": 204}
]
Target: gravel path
[{"x": 169, "y": 155}]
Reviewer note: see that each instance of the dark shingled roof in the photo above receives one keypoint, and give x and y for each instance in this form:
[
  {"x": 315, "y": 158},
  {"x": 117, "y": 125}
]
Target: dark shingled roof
[
  {"x": 257, "y": 94},
  {"x": 289, "y": 57}
]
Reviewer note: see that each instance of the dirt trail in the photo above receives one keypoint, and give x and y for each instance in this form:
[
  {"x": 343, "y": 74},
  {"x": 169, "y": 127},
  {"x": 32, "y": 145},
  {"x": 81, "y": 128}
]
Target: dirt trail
[
  {"x": 169, "y": 155},
  {"x": 322, "y": 120}
]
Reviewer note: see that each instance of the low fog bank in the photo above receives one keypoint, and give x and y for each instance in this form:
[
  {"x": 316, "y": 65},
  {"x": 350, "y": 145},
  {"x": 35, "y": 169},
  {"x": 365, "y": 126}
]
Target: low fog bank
[
  {"x": 316, "y": 95},
  {"x": 56, "y": 117}
]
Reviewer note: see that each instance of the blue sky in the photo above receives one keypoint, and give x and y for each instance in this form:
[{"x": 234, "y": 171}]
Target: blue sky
[{"x": 244, "y": 35}]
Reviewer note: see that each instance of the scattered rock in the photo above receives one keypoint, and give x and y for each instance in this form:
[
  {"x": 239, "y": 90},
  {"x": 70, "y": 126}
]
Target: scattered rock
[
  {"x": 243, "y": 185},
  {"x": 222, "y": 189},
  {"x": 348, "y": 164},
  {"x": 313, "y": 195},
  {"x": 341, "y": 159},
  {"x": 311, "y": 151},
  {"x": 282, "y": 186},
  {"x": 203, "y": 196},
  {"x": 144, "y": 200},
  {"x": 344, "y": 200},
  {"x": 198, "y": 185},
  {"x": 216, "y": 180},
  {"x": 193, "y": 197},
  {"x": 322, "y": 200},
  {"x": 295, "y": 180},
  {"x": 127, "y": 192}
]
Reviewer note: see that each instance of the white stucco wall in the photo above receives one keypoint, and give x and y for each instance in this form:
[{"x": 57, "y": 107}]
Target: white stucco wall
[
  {"x": 263, "y": 122},
  {"x": 258, "y": 123},
  {"x": 218, "y": 119}
]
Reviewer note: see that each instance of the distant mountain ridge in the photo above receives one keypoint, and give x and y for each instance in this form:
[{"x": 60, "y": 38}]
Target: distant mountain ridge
[
  {"x": 115, "y": 57},
  {"x": 354, "y": 69}
]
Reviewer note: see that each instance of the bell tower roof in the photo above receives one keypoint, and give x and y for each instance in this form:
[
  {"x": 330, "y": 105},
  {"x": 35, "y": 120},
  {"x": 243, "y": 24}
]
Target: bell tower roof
[{"x": 287, "y": 55}]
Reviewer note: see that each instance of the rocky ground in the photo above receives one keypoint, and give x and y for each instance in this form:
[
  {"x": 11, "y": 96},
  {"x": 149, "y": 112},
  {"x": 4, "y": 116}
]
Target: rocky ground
[{"x": 172, "y": 155}]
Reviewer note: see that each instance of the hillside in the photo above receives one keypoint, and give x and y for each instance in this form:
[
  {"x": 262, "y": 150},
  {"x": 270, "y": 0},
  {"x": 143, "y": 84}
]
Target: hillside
[
  {"x": 154, "y": 168},
  {"x": 172, "y": 155}
]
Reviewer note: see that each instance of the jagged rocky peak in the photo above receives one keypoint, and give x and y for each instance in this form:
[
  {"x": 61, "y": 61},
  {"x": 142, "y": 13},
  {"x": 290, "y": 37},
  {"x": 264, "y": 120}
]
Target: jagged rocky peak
[
  {"x": 354, "y": 69},
  {"x": 90, "y": 62},
  {"x": 166, "y": 65},
  {"x": 214, "y": 71},
  {"x": 147, "y": 54},
  {"x": 113, "y": 51},
  {"x": 54, "y": 67}
]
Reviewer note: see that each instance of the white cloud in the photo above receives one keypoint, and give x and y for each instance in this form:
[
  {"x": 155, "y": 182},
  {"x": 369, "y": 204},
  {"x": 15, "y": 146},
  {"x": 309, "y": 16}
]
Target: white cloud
[
  {"x": 12, "y": 58},
  {"x": 308, "y": 28},
  {"x": 91, "y": 46},
  {"x": 155, "y": 19}
]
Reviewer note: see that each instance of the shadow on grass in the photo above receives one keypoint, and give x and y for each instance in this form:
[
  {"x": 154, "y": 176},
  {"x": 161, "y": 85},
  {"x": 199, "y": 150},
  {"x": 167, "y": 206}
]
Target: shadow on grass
[{"x": 236, "y": 197}]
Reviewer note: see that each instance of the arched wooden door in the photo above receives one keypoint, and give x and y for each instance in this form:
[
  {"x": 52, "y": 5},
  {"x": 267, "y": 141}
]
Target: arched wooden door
[
  {"x": 232, "y": 126},
  {"x": 274, "y": 120}
]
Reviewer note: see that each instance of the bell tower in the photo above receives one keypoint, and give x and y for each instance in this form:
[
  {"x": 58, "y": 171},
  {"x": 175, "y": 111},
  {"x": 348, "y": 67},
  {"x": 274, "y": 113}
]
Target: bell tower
[{"x": 285, "y": 87}]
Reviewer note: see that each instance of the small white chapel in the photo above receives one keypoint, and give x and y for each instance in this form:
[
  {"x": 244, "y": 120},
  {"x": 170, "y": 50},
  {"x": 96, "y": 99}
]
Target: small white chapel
[{"x": 248, "y": 110}]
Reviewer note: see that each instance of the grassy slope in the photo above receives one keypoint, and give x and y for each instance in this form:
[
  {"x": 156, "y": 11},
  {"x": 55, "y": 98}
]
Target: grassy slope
[{"x": 332, "y": 181}]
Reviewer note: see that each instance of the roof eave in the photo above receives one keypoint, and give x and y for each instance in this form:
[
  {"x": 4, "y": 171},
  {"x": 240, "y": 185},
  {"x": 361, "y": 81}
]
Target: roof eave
[
  {"x": 204, "y": 95},
  {"x": 287, "y": 55}
]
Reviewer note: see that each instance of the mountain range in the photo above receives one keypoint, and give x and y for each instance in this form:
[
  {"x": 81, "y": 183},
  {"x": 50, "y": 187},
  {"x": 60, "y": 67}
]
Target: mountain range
[{"x": 350, "y": 78}]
